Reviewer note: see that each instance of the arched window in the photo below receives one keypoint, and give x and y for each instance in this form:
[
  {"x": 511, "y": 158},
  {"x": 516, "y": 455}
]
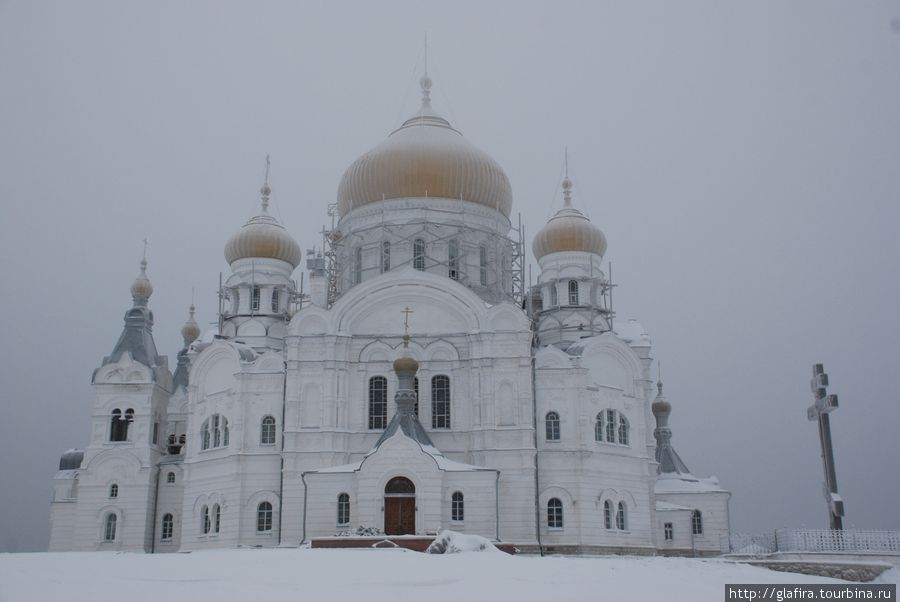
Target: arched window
[
  {"x": 554, "y": 513},
  {"x": 457, "y": 507},
  {"x": 697, "y": 522},
  {"x": 118, "y": 424},
  {"x": 598, "y": 427},
  {"x": 385, "y": 256},
  {"x": 611, "y": 426},
  {"x": 170, "y": 478},
  {"x": 416, "y": 389},
  {"x": 267, "y": 433},
  {"x": 440, "y": 402},
  {"x": 621, "y": 523},
  {"x": 109, "y": 527},
  {"x": 264, "y": 517},
  {"x": 453, "y": 258},
  {"x": 554, "y": 295},
  {"x": 607, "y": 514},
  {"x": 552, "y": 423},
  {"x": 419, "y": 254},
  {"x": 254, "y": 299},
  {"x": 343, "y": 509},
  {"x": 216, "y": 518},
  {"x": 623, "y": 430},
  {"x": 483, "y": 265},
  {"x": 114, "y": 490},
  {"x": 204, "y": 519},
  {"x": 214, "y": 432},
  {"x": 668, "y": 531},
  {"x": 377, "y": 402},
  {"x": 168, "y": 526},
  {"x": 357, "y": 265},
  {"x": 573, "y": 292},
  {"x": 275, "y": 305}
]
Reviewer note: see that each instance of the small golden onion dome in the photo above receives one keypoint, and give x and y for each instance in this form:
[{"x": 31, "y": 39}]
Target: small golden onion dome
[
  {"x": 425, "y": 157},
  {"x": 569, "y": 230},
  {"x": 262, "y": 236},
  {"x": 405, "y": 363},
  {"x": 660, "y": 406},
  {"x": 141, "y": 287},
  {"x": 191, "y": 330}
]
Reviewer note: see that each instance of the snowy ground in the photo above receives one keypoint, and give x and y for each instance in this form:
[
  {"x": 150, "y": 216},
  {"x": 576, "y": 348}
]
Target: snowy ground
[{"x": 369, "y": 575}]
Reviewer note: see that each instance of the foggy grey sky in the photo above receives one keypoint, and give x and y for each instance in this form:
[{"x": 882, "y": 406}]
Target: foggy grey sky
[{"x": 742, "y": 159}]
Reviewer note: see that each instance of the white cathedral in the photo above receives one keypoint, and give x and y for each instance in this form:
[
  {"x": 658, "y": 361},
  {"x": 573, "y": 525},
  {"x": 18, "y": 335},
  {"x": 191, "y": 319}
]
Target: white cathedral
[{"x": 417, "y": 385}]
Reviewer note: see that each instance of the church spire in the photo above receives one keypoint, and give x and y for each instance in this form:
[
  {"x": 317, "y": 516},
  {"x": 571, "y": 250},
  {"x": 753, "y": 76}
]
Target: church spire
[
  {"x": 567, "y": 184},
  {"x": 668, "y": 459},
  {"x": 141, "y": 289}
]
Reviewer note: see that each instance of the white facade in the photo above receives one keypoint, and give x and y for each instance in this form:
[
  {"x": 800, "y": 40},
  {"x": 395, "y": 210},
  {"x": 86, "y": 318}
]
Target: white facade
[{"x": 293, "y": 421}]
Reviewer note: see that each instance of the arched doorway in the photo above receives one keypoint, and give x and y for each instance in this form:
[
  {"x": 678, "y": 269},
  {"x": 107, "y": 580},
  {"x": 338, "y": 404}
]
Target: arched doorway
[{"x": 400, "y": 507}]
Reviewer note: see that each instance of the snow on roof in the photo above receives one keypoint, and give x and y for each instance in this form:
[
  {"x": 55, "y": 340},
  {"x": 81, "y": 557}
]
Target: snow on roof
[
  {"x": 687, "y": 483},
  {"x": 668, "y": 507},
  {"x": 632, "y": 332},
  {"x": 442, "y": 462}
]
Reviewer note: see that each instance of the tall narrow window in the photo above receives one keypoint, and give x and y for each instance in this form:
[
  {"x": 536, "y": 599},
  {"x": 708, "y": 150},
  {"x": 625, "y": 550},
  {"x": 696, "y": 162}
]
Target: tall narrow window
[
  {"x": 357, "y": 265},
  {"x": 554, "y": 513},
  {"x": 607, "y": 515},
  {"x": 623, "y": 430},
  {"x": 267, "y": 434},
  {"x": 668, "y": 531},
  {"x": 170, "y": 478},
  {"x": 254, "y": 299},
  {"x": 554, "y": 295},
  {"x": 225, "y": 432},
  {"x": 275, "y": 301},
  {"x": 113, "y": 490},
  {"x": 573, "y": 292},
  {"x": 377, "y": 402},
  {"x": 621, "y": 522},
  {"x": 419, "y": 254},
  {"x": 416, "y": 388},
  {"x": 697, "y": 523},
  {"x": 204, "y": 433},
  {"x": 264, "y": 517},
  {"x": 598, "y": 427},
  {"x": 168, "y": 526},
  {"x": 385, "y": 256},
  {"x": 552, "y": 424},
  {"x": 204, "y": 519},
  {"x": 482, "y": 265},
  {"x": 109, "y": 527},
  {"x": 440, "y": 402},
  {"x": 217, "y": 431},
  {"x": 343, "y": 509},
  {"x": 216, "y": 518},
  {"x": 155, "y": 437},
  {"x": 457, "y": 507},
  {"x": 453, "y": 258},
  {"x": 611, "y": 426}
]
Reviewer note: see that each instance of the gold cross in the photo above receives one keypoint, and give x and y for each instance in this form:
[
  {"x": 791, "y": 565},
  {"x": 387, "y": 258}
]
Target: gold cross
[{"x": 406, "y": 311}]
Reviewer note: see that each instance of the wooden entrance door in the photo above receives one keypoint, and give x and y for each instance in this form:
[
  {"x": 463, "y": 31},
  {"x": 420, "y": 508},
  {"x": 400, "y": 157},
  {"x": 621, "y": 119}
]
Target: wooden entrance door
[
  {"x": 400, "y": 515},
  {"x": 400, "y": 507}
]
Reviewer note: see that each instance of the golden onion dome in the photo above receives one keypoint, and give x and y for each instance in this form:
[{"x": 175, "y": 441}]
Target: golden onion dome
[
  {"x": 569, "y": 230},
  {"x": 263, "y": 237},
  {"x": 191, "y": 330},
  {"x": 141, "y": 287},
  {"x": 425, "y": 157},
  {"x": 405, "y": 363},
  {"x": 660, "y": 407}
]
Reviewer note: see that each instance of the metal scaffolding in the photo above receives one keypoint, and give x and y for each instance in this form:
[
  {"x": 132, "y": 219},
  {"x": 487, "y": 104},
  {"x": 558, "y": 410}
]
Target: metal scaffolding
[{"x": 490, "y": 263}]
